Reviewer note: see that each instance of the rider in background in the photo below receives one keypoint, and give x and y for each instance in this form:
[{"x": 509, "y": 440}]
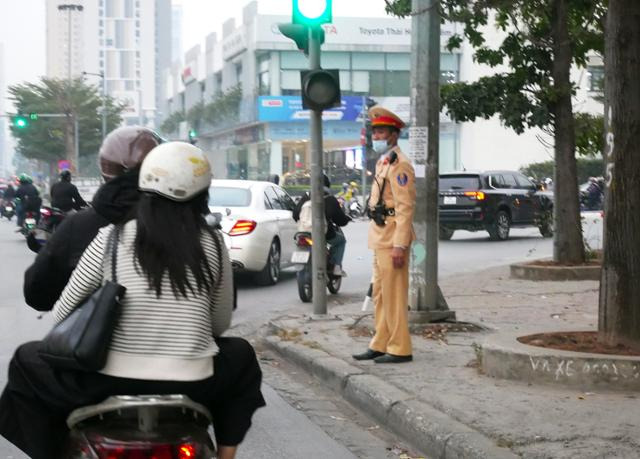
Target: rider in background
[
  {"x": 29, "y": 199},
  {"x": 65, "y": 195}
]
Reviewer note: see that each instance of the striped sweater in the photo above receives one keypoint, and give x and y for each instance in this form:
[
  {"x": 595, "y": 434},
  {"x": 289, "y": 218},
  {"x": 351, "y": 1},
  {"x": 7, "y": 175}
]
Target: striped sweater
[{"x": 164, "y": 338}]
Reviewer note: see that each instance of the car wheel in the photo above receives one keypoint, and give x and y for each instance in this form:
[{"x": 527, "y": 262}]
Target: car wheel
[
  {"x": 499, "y": 230},
  {"x": 445, "y": 234},
  {"x": 271, "y": 271},
  {"x": 546, "y": 226}
]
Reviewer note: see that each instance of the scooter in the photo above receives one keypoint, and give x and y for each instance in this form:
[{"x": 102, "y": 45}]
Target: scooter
[
  {"x": 8, "y": 210},
  {"x": 50, "y": 219},
  {"x": 355, "y": 209},
  {"x": 301, "y": 258},
  {"x": 141, "y": 427}
]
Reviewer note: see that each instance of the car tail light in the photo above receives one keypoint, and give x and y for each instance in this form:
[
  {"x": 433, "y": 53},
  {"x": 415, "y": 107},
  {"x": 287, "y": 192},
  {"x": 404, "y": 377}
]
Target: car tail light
[
  {"x": 243, "y": 227},
  {"x": 477, "y": 195}
]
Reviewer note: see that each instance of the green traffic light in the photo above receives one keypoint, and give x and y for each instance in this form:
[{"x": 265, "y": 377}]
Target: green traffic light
[
  {"x": 20, "y": 122},
  {"x": 312, "y": 12},
  {"x": 192, "y": 133}
]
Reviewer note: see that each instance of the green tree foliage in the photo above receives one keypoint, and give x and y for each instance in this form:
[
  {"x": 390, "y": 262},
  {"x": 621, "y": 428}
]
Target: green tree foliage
[
  {"x": 44, "y": 138},
  {"x": 586, "y": 167},
  {"x": 539, "y": 42},
  {"x": 589, "y": 134},
  {"x": 223, "y": 109}
]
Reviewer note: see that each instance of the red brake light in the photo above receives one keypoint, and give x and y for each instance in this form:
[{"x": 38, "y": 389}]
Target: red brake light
[
  {"x": 477, "y": 195},
  {"x": 305, "y": 241},
  {"x": 186, "y": 451},
  {"x": 243, "y": 227}
]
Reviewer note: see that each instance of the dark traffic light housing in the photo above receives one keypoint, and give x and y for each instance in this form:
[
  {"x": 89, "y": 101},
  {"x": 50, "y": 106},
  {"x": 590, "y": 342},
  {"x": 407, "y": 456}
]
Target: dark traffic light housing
[{"x": 320, "y": 89}]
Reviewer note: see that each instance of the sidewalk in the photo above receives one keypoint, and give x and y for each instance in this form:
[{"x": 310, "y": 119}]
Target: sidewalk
[{"x": 442, "y": 404}]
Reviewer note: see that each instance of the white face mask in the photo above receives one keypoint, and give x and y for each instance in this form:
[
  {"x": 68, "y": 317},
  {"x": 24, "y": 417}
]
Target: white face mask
[{"x": 380, "y": 146}]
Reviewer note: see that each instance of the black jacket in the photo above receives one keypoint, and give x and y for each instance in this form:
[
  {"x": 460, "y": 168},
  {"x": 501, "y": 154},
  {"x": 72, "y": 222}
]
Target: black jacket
[
  {"x": 65, "y": 196},
  {"x": 47, "y": 276},
  {"x": 29, "y": 196},
  {"x": 333, "y": 212}
]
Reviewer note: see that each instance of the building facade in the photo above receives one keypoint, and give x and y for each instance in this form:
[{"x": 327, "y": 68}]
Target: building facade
[
  {"x": 255, "y": 66},
  {"x": 129, "y": 41}
]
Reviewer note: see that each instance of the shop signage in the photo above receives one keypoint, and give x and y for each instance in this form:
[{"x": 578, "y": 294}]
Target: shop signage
[{"x": 289, "y": 108}]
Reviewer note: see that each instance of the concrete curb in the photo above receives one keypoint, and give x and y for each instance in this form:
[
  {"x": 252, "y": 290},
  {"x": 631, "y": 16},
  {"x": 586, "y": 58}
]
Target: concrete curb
[
  {"x": 505, "y": 357},
  {"x": 527, "y": 271},
  {"x": 428, "y": 429}
]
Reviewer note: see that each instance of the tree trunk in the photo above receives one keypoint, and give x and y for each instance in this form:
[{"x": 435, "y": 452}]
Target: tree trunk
[
  {"x": 619, "y": 314},
  {"x": 69, "y": 141},
  {"x": 568, "y": 246}
]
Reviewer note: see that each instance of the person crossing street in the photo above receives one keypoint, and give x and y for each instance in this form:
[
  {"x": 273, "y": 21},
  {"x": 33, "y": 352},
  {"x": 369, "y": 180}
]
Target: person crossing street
[{"x": 391, "y": 207}]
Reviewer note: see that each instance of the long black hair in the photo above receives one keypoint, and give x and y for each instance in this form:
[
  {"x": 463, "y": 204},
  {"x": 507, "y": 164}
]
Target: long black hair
[{"x": 168, "y": 241}]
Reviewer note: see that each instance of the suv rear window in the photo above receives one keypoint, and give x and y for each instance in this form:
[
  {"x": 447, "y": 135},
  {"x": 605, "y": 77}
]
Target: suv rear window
[
  {"x": 220, "y": 196},
  {"x": 459, "y": 182}
]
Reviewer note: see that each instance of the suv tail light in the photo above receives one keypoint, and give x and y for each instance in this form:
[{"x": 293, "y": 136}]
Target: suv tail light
[
  {"x": 243, "y": 227},
  {"x": 477, "y": 195}
]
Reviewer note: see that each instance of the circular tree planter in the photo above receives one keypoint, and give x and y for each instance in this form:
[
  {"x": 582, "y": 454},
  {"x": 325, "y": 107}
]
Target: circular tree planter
[
  {"x": 548, "y": 270},
  {"x": 506, "y": 356}
]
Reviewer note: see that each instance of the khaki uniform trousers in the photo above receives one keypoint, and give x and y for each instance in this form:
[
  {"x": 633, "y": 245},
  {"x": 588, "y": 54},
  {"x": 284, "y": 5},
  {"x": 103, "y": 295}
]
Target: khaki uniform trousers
[{"x": 391, "y": 300}]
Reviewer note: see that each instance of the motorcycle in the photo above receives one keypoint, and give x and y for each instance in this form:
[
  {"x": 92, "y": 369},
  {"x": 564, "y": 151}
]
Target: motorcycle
[
  {"x": 29, "y": 223},
  {"x": 301, "y": 258},
  {"x": 355, "y": 209},
  {"x": 8, "y": 210},
  {"x": 141, "y": 426},
  {"x": 50, "y": 219}
]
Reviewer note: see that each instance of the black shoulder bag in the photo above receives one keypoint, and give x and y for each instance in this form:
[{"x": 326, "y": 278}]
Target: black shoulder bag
[{"x": 81, "y": 341}]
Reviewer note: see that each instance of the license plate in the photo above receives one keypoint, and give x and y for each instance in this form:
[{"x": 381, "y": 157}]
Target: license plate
[
  {"x": 30, "y": 221},
  {"x": 8, "y": 209},
  {"x": 449, "y": 199},
  {"x": 300, "y": 257}
]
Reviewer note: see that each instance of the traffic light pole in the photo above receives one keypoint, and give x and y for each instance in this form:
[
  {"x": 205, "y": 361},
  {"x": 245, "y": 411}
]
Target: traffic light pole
[
  {"x": 426, "y": 301},
  {"x": 318, "y": 232}
]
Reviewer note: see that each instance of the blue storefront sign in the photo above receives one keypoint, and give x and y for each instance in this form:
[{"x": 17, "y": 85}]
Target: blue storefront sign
[
  {"x": 289, "y": 109},
  {"x": 334, "y": 130}
]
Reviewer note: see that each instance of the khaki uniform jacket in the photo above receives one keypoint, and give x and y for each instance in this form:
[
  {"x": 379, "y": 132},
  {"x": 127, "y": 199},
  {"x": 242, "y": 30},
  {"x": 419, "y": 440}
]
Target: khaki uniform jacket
[{"x": 399, "y": 194}]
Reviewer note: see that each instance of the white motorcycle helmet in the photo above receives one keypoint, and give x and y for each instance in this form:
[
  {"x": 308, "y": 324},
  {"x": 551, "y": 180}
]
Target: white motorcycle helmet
[{"x": 175, "y": 170}]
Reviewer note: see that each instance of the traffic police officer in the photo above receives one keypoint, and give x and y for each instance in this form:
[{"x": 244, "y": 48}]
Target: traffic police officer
[{"x": 390, "y": 207}]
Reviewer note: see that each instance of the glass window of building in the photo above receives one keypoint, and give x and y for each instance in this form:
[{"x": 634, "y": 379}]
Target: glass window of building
[
  {"x": 128, "y": 85},
  {"x": 397, "y": 84},
  {"x": 376, "y": 84},
  {"x": 290, "y": 79},
  {"x": 368, "y": 61},
  {"x": 596, "y": 77},
  {"x": 293, "y": 60},
  {"x": 360, "y": 82},
  {"x": 345, "y": 80},
  {"x": 128, "y": 8},
  {"x": 398, "y": 61},
  {"x": 333, "y": 60},
  {"x": 239, "y": 72}
]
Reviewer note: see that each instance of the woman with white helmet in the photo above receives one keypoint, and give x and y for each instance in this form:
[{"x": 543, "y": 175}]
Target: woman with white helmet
[{"x": 178, "y": 302}]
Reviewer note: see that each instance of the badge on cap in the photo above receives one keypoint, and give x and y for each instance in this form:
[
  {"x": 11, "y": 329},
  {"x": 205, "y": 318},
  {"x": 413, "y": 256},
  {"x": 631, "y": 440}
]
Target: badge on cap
[{"x": 403, "y": 179}]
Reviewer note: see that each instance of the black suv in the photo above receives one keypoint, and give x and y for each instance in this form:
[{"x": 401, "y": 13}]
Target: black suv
[{"x": 492, "y": 201}]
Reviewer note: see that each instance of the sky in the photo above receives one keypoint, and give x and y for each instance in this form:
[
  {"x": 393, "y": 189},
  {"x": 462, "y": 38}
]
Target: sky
[{"x": 22, "y": 28}]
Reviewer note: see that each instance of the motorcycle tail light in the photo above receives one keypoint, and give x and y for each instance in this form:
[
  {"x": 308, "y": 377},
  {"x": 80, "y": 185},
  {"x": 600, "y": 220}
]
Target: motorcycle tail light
[
  {"x": 243, "y": 227},
  {"x": 114, "y": 450},
  {"x": 304, "y": 241},
  {"x": 45, "y": 212}
]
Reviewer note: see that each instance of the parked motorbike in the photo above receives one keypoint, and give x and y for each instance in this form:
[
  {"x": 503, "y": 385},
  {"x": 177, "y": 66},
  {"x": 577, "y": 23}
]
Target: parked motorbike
[
  {"x": 301, "y": 258},
  {"x": 50, "y": 219},
  {"x": 141, "y": 427},
  {"x": 7, "y": 210}
]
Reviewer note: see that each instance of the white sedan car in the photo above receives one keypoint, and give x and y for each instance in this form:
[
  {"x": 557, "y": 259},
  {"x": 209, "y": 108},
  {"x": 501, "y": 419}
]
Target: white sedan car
[{"x": 257, "y": 223}]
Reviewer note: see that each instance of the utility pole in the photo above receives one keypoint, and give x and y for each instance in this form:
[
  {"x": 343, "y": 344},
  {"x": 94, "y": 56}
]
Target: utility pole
[
  {"x": 318, "y": 232},
  {"x": 425, "y": 299}
]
